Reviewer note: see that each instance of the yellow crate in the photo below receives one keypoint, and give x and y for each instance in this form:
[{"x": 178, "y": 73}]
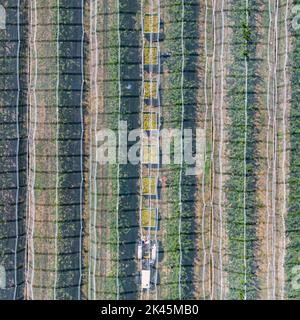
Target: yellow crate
[
  {"x": 149, "y": 186},
  {"x": 150, "y": 56},
  {"x": 150, "y": 148},
  {"x": 150, "y": 90},
  {"x": 150, "y": 154},
  {"x": 148, "y": 217},
  {"x": 151, "y": 23},
  {"x": 150, "y": 121}
]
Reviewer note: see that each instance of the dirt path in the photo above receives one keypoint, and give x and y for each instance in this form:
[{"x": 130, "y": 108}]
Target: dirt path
[
  {"x": 210, "y": 208},
  {"x": 272, "y": 178},
  {"x": 100, "y": 185},
  {"x": 42, "y": 166}
]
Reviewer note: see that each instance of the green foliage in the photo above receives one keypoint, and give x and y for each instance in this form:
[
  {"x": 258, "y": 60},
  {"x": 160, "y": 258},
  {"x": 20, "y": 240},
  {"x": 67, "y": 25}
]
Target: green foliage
[
  {"x": 293, "y": 221},
  {"x": 172, "y": 100},
  {"x": 70, "y": 198},
  {"x": 242, "y": 47}
]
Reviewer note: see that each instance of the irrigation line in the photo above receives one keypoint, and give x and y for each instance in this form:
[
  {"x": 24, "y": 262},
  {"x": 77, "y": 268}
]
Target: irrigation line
[
  {"x": 274, "y": 178},
  {"x": 284, "y": 145},
  {"x": 28, "y": 165},
  {"x": 212, "y": 267},
  {"x": 32, "y": 198},
  {"x": 94, "y": 208},
  {"x": 119, "y": 143},
  {"x": 95, "y": 133},
  {"x": 27, "y": 216},
  {"x": 245, "y": 161},
  {"x": 142, "y": 105},
  {"x": 181, "y": 147},
  {"x": 27, "y": 120},
  {"x": 267, "y": 148},
  {"x": 17, "y": 156},
  {"x": 159, "y": 124},
  {"x": 28, "y": 149},
  {"x": 151, "y": 9},
  {"x": 220, "y": 156},
  {"x": 150, "y": 166},
  {"x": 57, "y": 147},
  {"x": 81, "y": 149},
  {"x": 91, "y": 163},
  {"x": 205, "y": 154}
]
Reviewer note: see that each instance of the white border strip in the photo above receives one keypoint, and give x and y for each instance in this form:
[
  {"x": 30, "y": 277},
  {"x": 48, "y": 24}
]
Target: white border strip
[
  {"x": 245, "y": 163},
  {"x": 205, "y": 154},
  {"x": 57, "y": 136},
  {"x": 81, "y": 149},
  {"x": 284, "y": 205},
  {"x": 220, "y": 158},
  {"x": 181, "y": 147},
  {"x": 17, "y": 157},
  {"x": 119, "y": 143}
]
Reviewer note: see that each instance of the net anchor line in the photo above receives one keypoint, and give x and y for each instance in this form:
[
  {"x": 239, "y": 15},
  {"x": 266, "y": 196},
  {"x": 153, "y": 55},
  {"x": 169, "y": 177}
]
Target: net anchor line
[
  {"x": 32, "y": 203},
  {"x": 245, "y": 161},
  {"x": 17, "y": 155},
  {"x": 285, "y": 102},
  {"x": 57, "y": 147},
  {"x": 181, "y": 146},
  {"x": 205, "y": 153}
]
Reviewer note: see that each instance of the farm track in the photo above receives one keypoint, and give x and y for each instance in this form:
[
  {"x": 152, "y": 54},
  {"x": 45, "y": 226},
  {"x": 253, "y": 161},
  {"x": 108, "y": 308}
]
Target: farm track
[{"x": 150, "y": 170}]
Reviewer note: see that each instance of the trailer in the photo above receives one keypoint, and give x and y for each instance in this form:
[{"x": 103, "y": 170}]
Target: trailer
[
  {"x": 153, "y": 253},
  {"x": 140, "y": 251},
  {"x": 2, "y": 277},
  {"x": 2, "y": 18},
  {"x": 151, "y": 23},
  {"x": 145, "y": 279}
]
